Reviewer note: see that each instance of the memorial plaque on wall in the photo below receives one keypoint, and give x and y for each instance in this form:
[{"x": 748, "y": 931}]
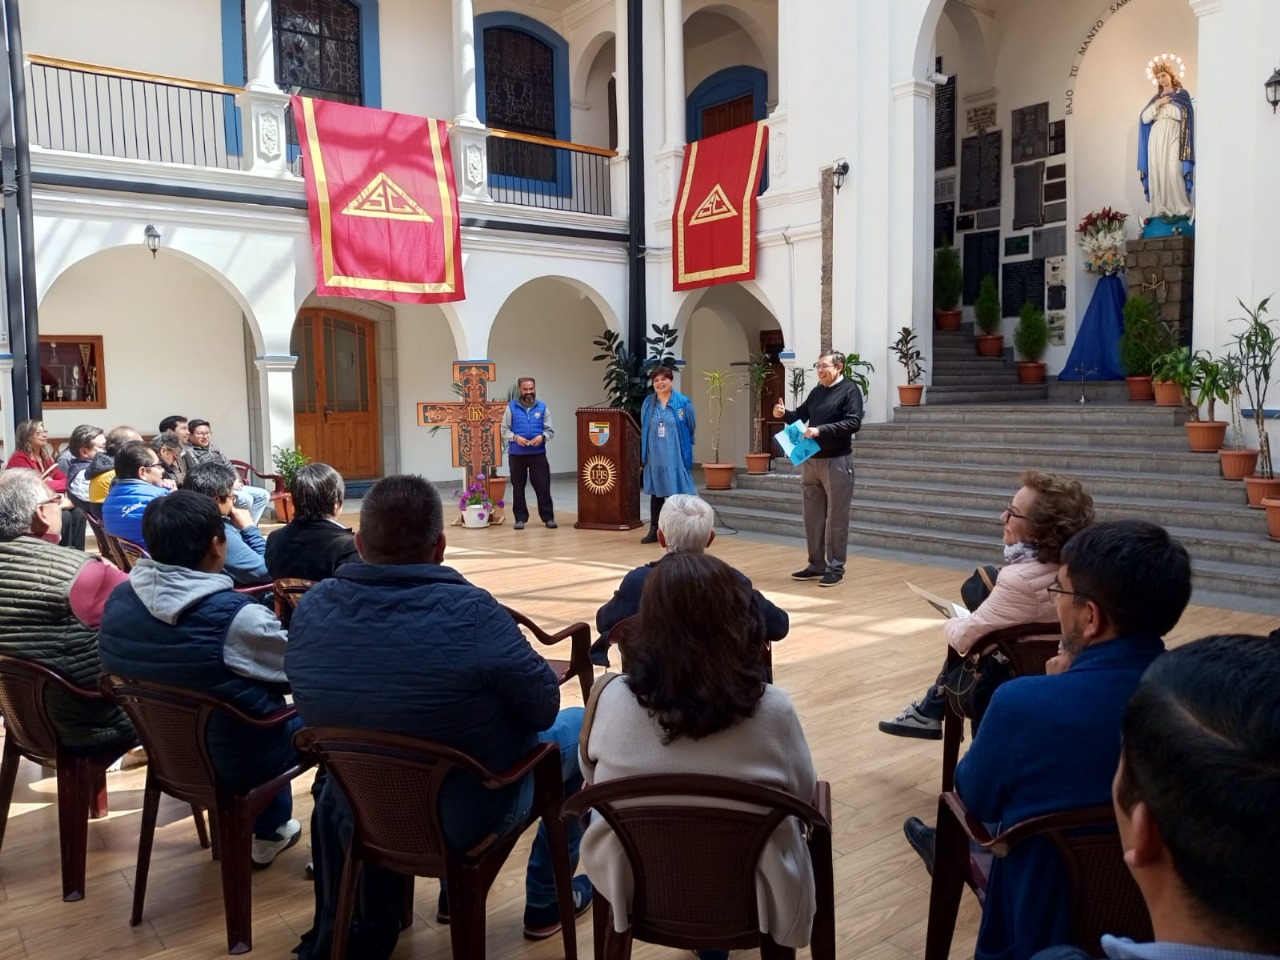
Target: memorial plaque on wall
[
  {"x": 1029, "y": 138},
  {"x": 980, "y": 169},
  {"x": 944, "y": 224},
  {"x": 981, "y": 259},
  {"x": 1057, "y": 190},
  {"x": 1057, "y": 171},
  {"x": 1055, "y": 212},
  {"x": 944, "y": 189},
  {"x": 1057, "y": 299},
  {"x": 965, "y": 222},
  {"x": 1049, "y": 242},
  {"x": 1055, "y": 269},
  {"x": 981, "y": 119},
  {"x": 1057, "y": 137},
  {"x": 986, "y": 219},
  {"x": 1028, "y": 195},
  {"x": 1021, "y": 281},
  {"x": 1057, "y": 329},
  {"x": 944, "y": 125},
  {"x": 1017, "y": 246}
]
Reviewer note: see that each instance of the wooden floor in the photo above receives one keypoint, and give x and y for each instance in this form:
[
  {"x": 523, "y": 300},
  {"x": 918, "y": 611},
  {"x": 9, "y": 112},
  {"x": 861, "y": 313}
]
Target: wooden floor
[{"x": 856, "y": 653}]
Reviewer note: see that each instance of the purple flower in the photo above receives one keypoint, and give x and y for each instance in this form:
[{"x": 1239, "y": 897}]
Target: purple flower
[
  {"x": 479, "y": 478},
  {"x": 479, "y": 516},
  {"x": 462, "y": 504},
  {"x": 502, "y": 503}
]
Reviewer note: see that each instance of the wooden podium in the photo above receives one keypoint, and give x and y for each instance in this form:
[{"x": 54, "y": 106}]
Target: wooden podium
[{"x": 608, "y": 470}]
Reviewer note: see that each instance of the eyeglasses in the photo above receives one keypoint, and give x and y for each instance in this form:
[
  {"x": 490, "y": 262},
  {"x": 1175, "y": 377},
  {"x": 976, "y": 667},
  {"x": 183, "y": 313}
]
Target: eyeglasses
[
  {"x": 1054, "y": 590},
  {"x": 51, "y": 501},
  {"x": 154, "y": 463},
  {"x": 825, "y": 366},
  {"x": 1014, "y": 513}
]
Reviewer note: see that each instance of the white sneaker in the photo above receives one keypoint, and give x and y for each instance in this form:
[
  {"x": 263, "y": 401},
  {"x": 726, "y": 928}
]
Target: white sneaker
[
  {"x": 265, "y": 851},
  {"x": 912, "y": 723}
]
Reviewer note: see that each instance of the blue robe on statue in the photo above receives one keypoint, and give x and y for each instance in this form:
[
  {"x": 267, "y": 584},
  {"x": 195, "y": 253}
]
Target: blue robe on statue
[{"x": 1096, "y": 351}]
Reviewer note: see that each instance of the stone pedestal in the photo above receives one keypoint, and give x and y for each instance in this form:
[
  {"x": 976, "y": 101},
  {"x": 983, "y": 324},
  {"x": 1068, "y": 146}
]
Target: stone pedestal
[{"x": 1163, "y": 271}]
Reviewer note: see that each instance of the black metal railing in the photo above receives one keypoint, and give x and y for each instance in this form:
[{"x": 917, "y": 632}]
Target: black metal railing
[
  {"x": 551, "y": 174},
  {"x": 87, "y": 108}
]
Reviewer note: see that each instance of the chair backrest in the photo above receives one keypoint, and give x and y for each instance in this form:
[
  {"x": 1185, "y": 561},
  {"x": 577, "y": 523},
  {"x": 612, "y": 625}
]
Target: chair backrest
[
  {"x": 392, "y": 783},
  {"x": 668, "y": 846},
  {"x": 242, "y": 469},
  {"x": 130, "y": 553},
  {"x": 105, "y": 545},
  {"x": 288, "y": 591},
  {"x": 579, "y": 636},
  {"x": 22, "y": 703}
]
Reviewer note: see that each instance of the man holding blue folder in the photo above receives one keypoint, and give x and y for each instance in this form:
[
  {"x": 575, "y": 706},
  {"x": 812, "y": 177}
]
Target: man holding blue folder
[{"x": 833, "y": 414}]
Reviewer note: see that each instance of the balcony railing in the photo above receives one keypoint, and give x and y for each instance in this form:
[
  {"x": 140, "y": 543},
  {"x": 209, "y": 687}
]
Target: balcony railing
[
  {"x": 89, "y": 108},
  {"x": 551, "y": 174}
]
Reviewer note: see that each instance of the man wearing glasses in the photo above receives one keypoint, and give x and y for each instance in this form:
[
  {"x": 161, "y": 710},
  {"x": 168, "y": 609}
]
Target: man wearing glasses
[
  {"x": 832, "y": 413},
  {"x": 139, "y": 480}
]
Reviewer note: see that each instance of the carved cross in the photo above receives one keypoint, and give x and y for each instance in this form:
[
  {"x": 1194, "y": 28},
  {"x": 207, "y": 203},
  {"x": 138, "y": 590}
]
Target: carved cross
[
  {"x": 1155, "y": 286},
  {"x": 475, "y": 420}
]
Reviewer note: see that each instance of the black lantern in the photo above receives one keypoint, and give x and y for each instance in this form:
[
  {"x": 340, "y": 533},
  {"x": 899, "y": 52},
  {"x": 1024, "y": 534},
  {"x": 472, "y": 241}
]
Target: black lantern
[
  {"x": 1272, "y": 87},
  {"x": 152, "y": 236},
  {"x": 839, "y": 172}
]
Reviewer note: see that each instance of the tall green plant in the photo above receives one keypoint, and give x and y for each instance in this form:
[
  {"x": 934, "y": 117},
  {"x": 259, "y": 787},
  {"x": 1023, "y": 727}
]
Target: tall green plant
[
  {"x": 1233, "y": 380},
  {"x": 797, "y": 386},
  {"x": 854, "y": 366},
  {"x": 1178, "y": 366},
  {"x": 288, "y": 461},
  {"x": 717, "y": 385},
  {"x": 1145, "y": 337},
  {"x": 1258, "y": 347},
  {"x": 986, "y": 309},
  {"x": 908, "y": 355},
  {"x": 1211, "y": 382},
  {"x": 625, "y": 377},
  {"x": 1031, "y": 335},
  {"x": 948, "y": 280},
  {"x": 759, "y": 373}
]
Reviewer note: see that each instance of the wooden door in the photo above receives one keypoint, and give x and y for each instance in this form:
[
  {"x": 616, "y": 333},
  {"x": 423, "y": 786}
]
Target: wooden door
[
  {"x": 728, "y": 115},
  {"x": 335, "y": 392}
]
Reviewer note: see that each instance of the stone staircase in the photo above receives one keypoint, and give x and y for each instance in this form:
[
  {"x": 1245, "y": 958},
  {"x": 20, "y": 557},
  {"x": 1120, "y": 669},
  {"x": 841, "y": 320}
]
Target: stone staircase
[
  {"x": 959, "y": 375},
  {"x": 933, "y": 483}
]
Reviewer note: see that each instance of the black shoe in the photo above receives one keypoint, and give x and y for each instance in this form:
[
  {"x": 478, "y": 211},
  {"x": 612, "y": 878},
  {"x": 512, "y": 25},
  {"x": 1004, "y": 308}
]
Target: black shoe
[
  {"x": 599, "y": 653},
  {"x": 442, "y": 906},
  {"x": 551, "y": 524},
  {"x": 808, "y": 573},
  {"x": 830, "y": 579},
  {"x": 518, "y": 525},
  {"x": 912, "y": 722},
  {"x": 650, "y": 537},
  {"x": 923, "y": 840}
]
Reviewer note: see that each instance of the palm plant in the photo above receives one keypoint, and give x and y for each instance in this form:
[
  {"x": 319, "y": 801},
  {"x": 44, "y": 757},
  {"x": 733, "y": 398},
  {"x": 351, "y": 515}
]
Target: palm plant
[
  {"x": 717, "y": 384},
  {"x": 759, "y": 373},
  {"x": 797, "y": 386},
  {"x": 853, "y": 367},
  {"x": 1258, "y": 347}
]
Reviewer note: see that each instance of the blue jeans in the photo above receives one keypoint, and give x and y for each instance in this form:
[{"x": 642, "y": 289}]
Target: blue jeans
[{"x": 253, "y": 499}]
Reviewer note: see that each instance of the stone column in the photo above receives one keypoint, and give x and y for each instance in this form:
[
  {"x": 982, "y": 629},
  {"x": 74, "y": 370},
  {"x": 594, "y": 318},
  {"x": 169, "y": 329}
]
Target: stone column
[
  {"x": 468, "y": 136},
  {"x": 275, "y": 386},
  {"x": 619, "y": 175},
  {"x": 261, "y": 104},
  {"x": 671, "y": 156},
  {"x": 778, "y": 181}
]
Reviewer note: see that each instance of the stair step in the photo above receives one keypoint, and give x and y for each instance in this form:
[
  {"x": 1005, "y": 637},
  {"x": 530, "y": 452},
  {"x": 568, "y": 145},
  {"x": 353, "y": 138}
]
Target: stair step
[
  {"x": 1045, "y": 457},
  {"x": 1025, "y": 434},
  {"x": 1070, "y": 415},
  {"x": 953, "y": 395}
]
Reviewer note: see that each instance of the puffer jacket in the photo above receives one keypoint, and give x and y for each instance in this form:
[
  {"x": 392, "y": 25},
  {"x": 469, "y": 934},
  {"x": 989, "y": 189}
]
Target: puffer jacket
[
  {"x": 1019, "y": 596},
  {"x": 125, "y": 504},
  {"x": 418, "y": 650}
]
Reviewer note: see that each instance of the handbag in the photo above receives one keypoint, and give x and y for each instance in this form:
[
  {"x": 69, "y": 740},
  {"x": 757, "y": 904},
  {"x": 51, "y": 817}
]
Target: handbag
[{"x": 969, "y": 682}]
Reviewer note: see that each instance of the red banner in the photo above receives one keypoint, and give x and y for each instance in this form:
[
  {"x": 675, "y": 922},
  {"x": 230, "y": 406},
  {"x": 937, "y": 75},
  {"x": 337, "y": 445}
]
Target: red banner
[
  {"x": 713, "y": 229},
  {"x": 382, "y": 201}
]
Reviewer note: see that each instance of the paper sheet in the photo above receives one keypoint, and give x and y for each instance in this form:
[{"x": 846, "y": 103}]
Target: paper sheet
[
  {"x": 797, "y": 447},
  {"x": 942, "y": 605}
]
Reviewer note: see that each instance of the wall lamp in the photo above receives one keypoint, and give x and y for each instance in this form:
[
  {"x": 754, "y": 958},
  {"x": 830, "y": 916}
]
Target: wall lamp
[
  {"x": 838, "y": 172},
  {"x": 1272, "y": 87},
  {"x": 152, "y": 236}
]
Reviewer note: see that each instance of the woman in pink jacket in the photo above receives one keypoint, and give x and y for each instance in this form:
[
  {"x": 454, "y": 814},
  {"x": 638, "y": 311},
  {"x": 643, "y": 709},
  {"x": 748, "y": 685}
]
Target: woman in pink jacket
[
  {"x": 33, "y": 452},
  {"x": 1043, "y": 515}
]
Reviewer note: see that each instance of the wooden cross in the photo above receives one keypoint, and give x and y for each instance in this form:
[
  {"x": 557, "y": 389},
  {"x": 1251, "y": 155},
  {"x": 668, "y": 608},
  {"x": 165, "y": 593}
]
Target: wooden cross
[
  {"x": 1156, "y": 285},
  {"x": 475, "y": 421}
]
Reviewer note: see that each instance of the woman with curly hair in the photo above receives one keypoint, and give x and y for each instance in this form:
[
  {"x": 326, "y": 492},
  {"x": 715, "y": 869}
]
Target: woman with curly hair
[
  {"x": 33, "y": 452},
  {"x": 694, "y": 700},
  {"x": 1043, "y": 515}
]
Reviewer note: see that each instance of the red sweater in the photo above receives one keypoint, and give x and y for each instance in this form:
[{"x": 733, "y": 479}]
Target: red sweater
[{"x": 57, "y": 480}]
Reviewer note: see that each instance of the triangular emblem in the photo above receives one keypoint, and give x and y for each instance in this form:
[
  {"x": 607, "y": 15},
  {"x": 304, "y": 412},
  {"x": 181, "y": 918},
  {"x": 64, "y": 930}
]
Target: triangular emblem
[
  {"x": 384, "y": 199},
  {"x": 715, "y": 207}
]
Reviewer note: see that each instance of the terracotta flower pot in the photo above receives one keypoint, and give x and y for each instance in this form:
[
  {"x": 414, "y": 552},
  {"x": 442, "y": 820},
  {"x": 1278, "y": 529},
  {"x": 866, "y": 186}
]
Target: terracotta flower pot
[
  {"x": 1139, "y": 388},
  {"x": 909, "y": 394},
  {"x": 989, "y": 344},
  {"x": 1167, "y": 393},
  {"x": 498, "y": 495},
  {"x": 719, "y": 475},
  {"x": 1238, "y": 464},
  {"x": 1030, "y": 371},
  {"x": 948, "y": 319},
  {"x": 758, "y": 462},
  {"x": 284, "y": 508},
  {"x": 1206, "y": 436},
  {"x": 1272, "y": 506},
  {"x": 1258, "y": 489}
]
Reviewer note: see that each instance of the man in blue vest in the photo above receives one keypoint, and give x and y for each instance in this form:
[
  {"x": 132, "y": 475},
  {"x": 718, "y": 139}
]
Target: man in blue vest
[{"x": 526, "y": 428}]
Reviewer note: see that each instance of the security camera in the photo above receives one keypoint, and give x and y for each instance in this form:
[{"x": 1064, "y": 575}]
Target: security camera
[{"x": 939, "y": 79}]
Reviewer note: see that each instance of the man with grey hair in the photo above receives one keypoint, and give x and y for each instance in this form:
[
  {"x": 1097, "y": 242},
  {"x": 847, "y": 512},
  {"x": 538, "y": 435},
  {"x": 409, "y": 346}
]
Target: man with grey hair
[
  {"x": 51, "y": 601},
  {"x": 684, "y": 526},
  {"x": 832, "y": 414}
]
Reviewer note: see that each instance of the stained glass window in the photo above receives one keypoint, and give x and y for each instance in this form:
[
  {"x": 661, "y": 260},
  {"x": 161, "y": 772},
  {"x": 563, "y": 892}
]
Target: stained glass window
[{"x": 520, "y": 95}]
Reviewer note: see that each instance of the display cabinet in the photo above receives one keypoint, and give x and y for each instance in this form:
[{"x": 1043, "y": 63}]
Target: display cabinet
[{"x": 72, "y": 373}]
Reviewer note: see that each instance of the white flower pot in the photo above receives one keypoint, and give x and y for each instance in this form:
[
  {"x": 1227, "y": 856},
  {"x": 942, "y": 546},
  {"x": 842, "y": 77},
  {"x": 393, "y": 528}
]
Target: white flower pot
[{"x": 475, "y": 516}]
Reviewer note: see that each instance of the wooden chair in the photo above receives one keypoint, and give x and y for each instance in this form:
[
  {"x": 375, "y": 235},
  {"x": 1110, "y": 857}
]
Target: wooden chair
[
  {"x": 1027, "y": 647},
  {"x": 694, "y": 867},
  {"x": 393, "y": 785},
  {"x": 625, "y": 631},
  {"x": 272, "y": 482},
  {"x": 1104, "y": 896},
  {"x": 172, "y": 723},
  {"x": 130, "y": 553},
  {"x": 106, "y": 546},
  {"x": 579, "y": 662},
  {"x": 82, "y": 782},
  {"x": 288, "y": 591}
]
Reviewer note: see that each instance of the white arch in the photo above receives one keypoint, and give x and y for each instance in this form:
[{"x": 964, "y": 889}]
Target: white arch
[
  {"x": 582, "y": 70},
  {"x": 766, "y": 41},
  {"x": 585, "y": 289},
  {"x": 693, "y": 300}
]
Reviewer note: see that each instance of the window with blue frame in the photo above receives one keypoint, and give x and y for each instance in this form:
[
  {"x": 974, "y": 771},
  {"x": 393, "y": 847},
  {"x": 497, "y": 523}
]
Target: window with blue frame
[
  {"x": 520, "y": 96},
  {"x": 729, "y": 98}
]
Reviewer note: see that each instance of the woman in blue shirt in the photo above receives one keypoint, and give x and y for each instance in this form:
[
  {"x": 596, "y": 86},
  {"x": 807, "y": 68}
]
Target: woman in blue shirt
[{"x": 667, "y": 426}]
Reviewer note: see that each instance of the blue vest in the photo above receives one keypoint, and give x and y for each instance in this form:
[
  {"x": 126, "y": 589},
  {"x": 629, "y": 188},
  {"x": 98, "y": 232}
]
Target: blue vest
[{"x": 526, "y": 422}]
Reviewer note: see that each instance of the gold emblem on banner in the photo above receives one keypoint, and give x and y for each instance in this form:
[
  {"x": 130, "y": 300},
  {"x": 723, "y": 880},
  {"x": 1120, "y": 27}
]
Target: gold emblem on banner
[
  {"x": 715, "y": 207},
  {"x": 384, "y": 199},
  {"x": 599, "y": 475}
]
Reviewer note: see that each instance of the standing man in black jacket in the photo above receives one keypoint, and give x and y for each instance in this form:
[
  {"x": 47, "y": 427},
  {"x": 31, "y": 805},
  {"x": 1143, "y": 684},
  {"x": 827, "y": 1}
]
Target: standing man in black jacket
[{"x": 832, "y": 414}]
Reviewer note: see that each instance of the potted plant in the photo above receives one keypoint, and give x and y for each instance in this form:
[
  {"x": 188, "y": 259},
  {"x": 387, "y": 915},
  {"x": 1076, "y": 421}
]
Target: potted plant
[
  {"x": 474, "y": 502},
  {"x": 797, "y": 386},
  {"x": 1172, "y": 376},
  {"x": 1209, "y": 381},
  {"x": 719, "y": 476},
  {"x": 1031, "y": 339},
  {"x": 1238, "y": 461},
  {"x": 1145, "y": 337},
  {"x": 287, "y": 460},
  {"x": 986, "y": 313},
  {"x": 1258, "y": 347},
  {"x": 759, "y": 373},
  {"x": 853, "y": 367},
  {"x": 948, "y": 284},
  {"x": 904, "y": 348},
  {"x": 625, "y": 377}
]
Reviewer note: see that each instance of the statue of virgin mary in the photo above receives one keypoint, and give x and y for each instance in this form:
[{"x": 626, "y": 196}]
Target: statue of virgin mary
[{"x": 1166, "y": 151}]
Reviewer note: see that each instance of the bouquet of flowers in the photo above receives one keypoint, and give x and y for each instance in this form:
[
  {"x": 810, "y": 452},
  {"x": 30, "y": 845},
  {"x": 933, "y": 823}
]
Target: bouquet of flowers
[
  {"x": 477, "y": 495},
  {"x": 1102, "y": 241}
]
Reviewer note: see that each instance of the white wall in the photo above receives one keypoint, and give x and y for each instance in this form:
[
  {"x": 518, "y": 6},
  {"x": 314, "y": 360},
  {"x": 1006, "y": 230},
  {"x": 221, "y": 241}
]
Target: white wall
[
  {"x": 415, "y": 38},
  {"x": 424, "y": 358},
  {"x": 172, "y": 342},
  {"x": 731, "y": 48},
  {"x": 591, "y": 115}
]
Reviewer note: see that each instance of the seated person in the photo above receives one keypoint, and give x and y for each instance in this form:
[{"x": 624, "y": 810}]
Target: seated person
[
  {"x": 32, "y": 452},
  {"x": 139, "y": 473},
  {"x": 169, "y": 449},
  {"x": 1051, "y": 743},
  {"x": 403, "y": 644},
  {"x": 87, "y": 441},
  {"x": 1044, "y": 514},
  {"x": 685, "y": 525},
  {"x": 314, "y": 543},
  {"x": 1196, "y": 795},
  {"x": 202, "y": 450},
  {"x": 694, "y": 700},
  {"x": 178, "y": 621},
  {"x": 246, "y": 549},
  {"x": 51, "y": 600},
  {"x": 101, "y": 473}
]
